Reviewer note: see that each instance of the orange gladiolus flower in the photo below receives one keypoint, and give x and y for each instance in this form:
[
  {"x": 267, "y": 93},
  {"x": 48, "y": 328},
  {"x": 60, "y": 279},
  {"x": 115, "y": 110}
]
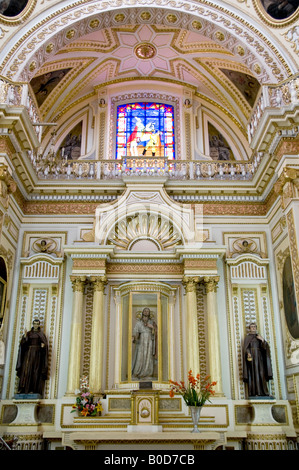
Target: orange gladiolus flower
[
  {"x": 84, "y": 412},
  {"x": 171, "y": 393}
]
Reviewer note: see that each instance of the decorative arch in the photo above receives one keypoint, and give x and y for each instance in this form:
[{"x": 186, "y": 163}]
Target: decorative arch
[{"x": 21, "y": 60}]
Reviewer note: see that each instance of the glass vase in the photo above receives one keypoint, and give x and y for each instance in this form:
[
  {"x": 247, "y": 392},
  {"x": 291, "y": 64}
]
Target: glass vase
[{"x": 195, "y": 415}]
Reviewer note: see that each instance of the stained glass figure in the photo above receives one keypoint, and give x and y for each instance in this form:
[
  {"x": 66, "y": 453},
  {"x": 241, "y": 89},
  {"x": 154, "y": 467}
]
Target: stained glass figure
[{"x": 145, "y": 129}]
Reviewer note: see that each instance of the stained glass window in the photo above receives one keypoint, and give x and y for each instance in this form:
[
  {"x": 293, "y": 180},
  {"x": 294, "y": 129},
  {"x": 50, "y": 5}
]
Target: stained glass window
[{"x": 145, "y": 129}]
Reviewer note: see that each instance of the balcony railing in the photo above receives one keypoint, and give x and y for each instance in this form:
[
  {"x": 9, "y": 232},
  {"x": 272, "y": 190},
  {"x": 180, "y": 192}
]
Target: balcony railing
[
  {"x": 20, "y": 94},
  {"x": 273, "y": 98},
  {"x": 52, "y": 168}
]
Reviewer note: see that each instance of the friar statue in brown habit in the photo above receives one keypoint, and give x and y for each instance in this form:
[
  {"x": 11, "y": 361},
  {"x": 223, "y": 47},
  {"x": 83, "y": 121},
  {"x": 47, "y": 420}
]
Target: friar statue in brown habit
[
  {"x": 257, "y": 368},
  {"x": 32, "y": 362}
]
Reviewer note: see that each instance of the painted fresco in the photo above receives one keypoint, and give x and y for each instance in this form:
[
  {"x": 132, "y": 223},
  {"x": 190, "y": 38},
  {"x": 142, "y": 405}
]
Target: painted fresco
[
  {"x": 70, "y": 148},
  {"x": 280, "y": 9},
  {"x": 43, "y": 85},
  {"x": 289, "y": 299},
  {"x": 219, "y": 148},
  {"x": 246, "y": 84},
  {"x": 12, "y": 8}
]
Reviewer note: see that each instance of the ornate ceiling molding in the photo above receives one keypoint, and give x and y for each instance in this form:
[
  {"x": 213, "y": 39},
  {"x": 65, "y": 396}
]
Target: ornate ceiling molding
[{"x": 69, "y": 23}]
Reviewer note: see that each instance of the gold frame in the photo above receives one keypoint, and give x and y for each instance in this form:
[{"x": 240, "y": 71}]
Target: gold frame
[
  {"x": 23, "y": 15},
  {"x": 260, "y": 10},
  {"x": 159, "y": 324},
  {"x": 139, "y": 287}
]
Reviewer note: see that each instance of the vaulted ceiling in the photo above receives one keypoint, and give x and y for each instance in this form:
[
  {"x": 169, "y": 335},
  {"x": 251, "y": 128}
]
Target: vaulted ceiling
[
  {"x": 68, "y": 55},
  {"x": 215, "y": 66}
]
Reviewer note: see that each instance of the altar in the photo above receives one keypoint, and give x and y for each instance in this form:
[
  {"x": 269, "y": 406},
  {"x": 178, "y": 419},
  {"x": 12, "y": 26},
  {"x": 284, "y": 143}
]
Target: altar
[{"x": 143, "y": 305}]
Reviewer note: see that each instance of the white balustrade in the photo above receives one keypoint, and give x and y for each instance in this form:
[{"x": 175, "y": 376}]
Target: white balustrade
[
  {"x": 273, "y": 97},
  {"x": 53, "y": 167},
  {"x": 19, "y": 94}
]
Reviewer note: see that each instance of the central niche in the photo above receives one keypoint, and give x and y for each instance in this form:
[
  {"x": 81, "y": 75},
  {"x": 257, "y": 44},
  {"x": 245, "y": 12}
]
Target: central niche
[{"x": 145, "y": 333}]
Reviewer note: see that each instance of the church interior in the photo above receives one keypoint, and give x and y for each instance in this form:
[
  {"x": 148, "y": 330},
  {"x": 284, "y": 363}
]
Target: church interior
[{"x": 149, "y": 208}]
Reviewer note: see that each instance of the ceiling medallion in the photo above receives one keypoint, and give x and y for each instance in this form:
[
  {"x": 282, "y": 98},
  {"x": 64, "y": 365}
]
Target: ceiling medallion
[{"x": 145, "y": 51}]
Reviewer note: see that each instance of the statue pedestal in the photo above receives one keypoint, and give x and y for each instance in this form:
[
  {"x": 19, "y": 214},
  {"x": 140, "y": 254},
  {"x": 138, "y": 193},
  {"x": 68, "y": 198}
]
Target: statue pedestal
[{"x": 26, "y": 411}]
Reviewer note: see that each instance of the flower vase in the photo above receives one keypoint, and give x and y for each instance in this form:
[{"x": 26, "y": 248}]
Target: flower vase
[{"x": 195, "y": 415}]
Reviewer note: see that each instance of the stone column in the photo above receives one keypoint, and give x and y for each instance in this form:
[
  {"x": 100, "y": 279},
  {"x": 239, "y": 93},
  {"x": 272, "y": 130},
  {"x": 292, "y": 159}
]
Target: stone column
[
  {"x": 97, "y": 336},
  {"x": 191, "y": 325},
  {"x": 78, "y": 284},
  {"x": 213, "y": 331}
]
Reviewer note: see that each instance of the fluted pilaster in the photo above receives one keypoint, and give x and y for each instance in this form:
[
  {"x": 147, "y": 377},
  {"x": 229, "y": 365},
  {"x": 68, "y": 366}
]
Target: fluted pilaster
[
  {"x": 117, "y": 363},
  {"x": 191, "y": 324},
  {"x": 211, "y": 283},
  {"x": 172, "y": 343},
  {"x": 97, "y": 334},
  {"x": 78, "y": 284}
]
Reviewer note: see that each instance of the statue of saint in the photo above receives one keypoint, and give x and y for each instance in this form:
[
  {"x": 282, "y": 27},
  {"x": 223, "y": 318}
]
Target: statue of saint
[
  {"x": 32, "y": 363},
  {"x": 257, "y": 368},
  {"x": 145, "y": 340}
]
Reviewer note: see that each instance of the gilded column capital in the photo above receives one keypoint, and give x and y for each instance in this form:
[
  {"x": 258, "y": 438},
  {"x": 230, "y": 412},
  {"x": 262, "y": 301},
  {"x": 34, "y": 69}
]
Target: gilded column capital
[
  {"x": 190, "y": 283},
  {"x": 99, "y": 283},
  {"x": 78, "y": 283},
  {"x": 211, "y": 283}
]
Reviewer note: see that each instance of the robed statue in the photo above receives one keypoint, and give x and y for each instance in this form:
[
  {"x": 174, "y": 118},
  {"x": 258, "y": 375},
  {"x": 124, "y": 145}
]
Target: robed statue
[
  {"x": 32, "y": 362},
  {"x": 145, "y": 340},
  {"x": 257, "y": 368}
]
